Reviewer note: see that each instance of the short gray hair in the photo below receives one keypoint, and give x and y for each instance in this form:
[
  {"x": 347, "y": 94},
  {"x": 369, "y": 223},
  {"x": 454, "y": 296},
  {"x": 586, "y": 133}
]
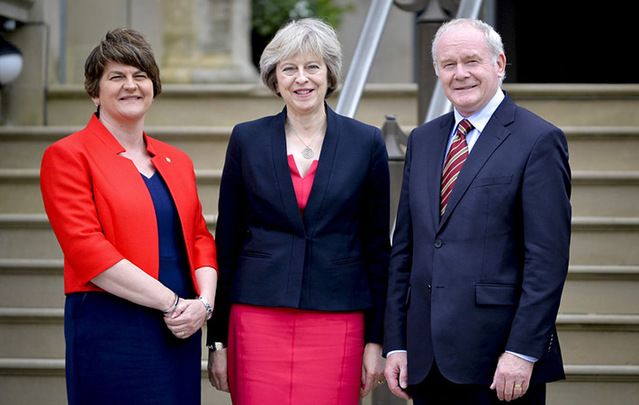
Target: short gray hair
[
  {"x": 307, "y": 36},
  {"x": 493, "y": 39}
]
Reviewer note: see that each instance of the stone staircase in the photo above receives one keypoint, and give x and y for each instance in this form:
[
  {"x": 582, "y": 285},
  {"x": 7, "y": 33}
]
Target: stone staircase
[{"x": 599, "y": 315}]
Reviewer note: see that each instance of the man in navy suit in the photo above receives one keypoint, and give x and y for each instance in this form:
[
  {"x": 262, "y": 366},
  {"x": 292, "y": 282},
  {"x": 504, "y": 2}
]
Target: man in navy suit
[{"x": 481, "y": 244}]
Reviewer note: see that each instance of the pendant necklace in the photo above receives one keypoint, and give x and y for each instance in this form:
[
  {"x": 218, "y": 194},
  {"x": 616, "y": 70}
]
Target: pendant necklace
[{"x": 307, "y": 152}]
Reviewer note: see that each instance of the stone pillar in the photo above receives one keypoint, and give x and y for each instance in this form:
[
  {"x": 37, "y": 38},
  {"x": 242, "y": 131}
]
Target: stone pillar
[{"x": 206, "y": 41}]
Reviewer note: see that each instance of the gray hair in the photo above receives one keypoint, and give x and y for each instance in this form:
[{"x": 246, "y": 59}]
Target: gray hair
[
  {"x": 493, "y": 39},
  {"x": 306, "y": 36}
]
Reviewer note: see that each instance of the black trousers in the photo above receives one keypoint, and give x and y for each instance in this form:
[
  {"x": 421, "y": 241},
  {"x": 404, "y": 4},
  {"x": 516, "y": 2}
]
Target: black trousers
[{"x": 437, "y": 390}]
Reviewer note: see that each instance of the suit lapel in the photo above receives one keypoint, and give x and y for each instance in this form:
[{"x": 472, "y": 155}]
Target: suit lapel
[
  {"x": 493, "y": 135},
  {"x": 325, "y": 168},
  {"x": 283, "y": 172}
]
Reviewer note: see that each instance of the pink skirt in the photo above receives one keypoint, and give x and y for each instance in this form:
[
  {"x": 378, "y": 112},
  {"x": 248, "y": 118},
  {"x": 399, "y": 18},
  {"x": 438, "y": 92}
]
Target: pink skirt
[{"x": 284, "y": 356}]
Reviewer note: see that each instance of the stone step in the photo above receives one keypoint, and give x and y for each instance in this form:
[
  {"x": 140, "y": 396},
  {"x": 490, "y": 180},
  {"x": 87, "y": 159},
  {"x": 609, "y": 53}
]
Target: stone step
[
  {"x": 46, "y": 377},
  {"x": 591, "y": 148},
  {"x": 612, "y": 194},
  {"x": 31, "y": 283},
  {"x": 23, "y": 146},
  {"x": 26, "y": 283},
  {"x": 605, "y": 148},
  {"x": 601, "y": 289},
  {"x": 32, "y": 332},
  {"x": 595, "y": 240},
  {"x": 604, "y": 241},
  {"x": 584, "y": 385},
  {"x": 580, "y": 104},
  {"x": 595, "y": 385},
  {"x": 602, "y": 339},
  {"x": 29, "y": 236},
  {"x": 20, "y": 191},
  {"x": 561, "y": 104},
  {"x": 605, "y": 193}
]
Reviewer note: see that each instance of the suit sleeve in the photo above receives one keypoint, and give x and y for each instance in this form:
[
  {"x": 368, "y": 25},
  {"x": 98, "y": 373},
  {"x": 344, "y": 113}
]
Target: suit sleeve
[
  {"x": 67, "y": 193},
  {"x": 376, "y": 236},
  {"x": 229, "y": 234},
  {"x": 546, "y": 214},
  {"x": 400, "y": 266}
]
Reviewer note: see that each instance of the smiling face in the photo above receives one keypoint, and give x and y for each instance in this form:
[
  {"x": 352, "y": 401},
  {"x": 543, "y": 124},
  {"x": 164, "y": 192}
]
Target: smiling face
[
  {"x": 467, "y": 70},
  {"x": 125, "y": 94},
  {"x": 302, "y": 81}
]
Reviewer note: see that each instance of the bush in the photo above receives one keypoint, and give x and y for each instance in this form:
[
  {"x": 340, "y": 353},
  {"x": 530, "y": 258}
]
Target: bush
[{"x": 270, "y": 15}]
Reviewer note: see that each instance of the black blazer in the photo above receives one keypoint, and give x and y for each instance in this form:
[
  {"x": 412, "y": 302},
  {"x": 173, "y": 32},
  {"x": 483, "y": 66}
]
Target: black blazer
[
  {"x": 335, "y": 256},
  {"x": 488, "y": 276}
]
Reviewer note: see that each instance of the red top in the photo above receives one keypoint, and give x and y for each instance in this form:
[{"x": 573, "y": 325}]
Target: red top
[{"x": 302, "y": 185}]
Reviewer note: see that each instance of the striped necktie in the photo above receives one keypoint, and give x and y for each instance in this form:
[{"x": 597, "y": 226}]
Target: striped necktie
[{"x": 454, "y": 161}]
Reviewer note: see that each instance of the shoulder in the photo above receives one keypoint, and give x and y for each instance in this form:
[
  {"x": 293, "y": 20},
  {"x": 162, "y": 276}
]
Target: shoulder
[
  {"x": 439, "y": 125},
  {"x": 525, "y": 117},
  {"x": 532, "y": 129},
  {"x": 359, "y": 134},
  {"x": 259, "y": 125},
  {"x": 522, "y": 120}
]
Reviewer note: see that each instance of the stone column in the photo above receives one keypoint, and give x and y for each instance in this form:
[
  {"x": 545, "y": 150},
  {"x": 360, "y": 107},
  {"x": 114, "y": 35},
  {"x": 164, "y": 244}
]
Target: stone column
[{"x": 206, "y": 41}]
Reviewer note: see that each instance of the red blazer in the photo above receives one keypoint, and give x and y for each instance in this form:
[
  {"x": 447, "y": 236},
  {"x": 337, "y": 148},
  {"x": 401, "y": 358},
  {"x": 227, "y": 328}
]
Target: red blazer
[{"x": 102, "y": 212}]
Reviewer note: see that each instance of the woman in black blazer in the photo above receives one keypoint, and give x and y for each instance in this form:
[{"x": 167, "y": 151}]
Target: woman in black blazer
[{"x": 303, "y": 239}]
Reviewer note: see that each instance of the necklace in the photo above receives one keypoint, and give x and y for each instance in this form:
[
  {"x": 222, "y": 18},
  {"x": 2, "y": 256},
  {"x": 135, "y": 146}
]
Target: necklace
[{"x": 307, "y": 152}]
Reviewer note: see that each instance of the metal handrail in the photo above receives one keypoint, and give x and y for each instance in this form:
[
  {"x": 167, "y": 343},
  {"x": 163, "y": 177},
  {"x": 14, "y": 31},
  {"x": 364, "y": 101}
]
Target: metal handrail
[
  {"x": 367, "y": 44},
  {"x": 439, "y": 104}
]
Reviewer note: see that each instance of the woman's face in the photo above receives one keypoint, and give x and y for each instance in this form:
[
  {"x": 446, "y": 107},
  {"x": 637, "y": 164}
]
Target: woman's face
[
  {"x": 126, "y": 93},
  {"x": 302, "y": 81}
]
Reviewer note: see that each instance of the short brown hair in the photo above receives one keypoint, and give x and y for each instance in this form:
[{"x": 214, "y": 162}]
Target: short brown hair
[{"x": 121, "y": 45}]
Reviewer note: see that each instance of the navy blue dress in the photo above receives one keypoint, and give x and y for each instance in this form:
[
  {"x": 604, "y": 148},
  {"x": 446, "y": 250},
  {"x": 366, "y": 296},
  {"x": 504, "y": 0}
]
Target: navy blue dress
[{"x": 118, "y": 352}]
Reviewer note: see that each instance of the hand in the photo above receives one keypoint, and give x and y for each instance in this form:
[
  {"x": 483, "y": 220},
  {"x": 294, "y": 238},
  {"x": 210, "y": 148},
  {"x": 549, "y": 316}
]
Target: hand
[
  {"x": 372, "y": 368},
  {"x": 188, "y": 318},
  {"x": 512, "y": 377},
  {"x": 396, "y": 373},
  {"x": 217, "y": 370}
]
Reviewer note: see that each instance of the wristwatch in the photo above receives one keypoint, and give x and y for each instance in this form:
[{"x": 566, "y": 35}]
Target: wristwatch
[
  {"x": 216, "y": 346},
  {"x": 207, "y": 306}
]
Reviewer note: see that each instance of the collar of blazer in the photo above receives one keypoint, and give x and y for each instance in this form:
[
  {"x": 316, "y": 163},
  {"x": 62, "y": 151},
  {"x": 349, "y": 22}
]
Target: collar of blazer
[{"x": 96, "y": 127}]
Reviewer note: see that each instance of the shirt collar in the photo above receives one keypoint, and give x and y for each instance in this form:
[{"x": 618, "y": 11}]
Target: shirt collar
[{"x": 481, "y": 117}]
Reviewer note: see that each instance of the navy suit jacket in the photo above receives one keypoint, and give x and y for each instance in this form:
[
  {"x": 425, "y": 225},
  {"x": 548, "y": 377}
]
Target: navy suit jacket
[
  {"x": 334, "y": 256},
  {"x": 487, "y": 277}
]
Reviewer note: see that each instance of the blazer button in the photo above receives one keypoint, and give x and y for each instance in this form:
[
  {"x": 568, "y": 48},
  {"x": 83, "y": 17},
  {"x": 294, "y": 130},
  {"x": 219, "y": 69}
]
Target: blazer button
[{"x": 438, "y": 243}]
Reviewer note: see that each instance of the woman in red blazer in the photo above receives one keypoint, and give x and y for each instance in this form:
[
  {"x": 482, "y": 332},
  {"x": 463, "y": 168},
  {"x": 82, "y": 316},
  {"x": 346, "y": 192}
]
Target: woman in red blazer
[{"x": 139, "y": 262}]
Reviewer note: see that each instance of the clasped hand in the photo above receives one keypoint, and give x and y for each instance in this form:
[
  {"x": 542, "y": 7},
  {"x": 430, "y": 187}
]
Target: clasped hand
[{"x": 188, "y": 317}]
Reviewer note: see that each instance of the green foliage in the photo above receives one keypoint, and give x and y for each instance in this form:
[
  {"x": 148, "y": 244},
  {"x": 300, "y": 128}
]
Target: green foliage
[{"x": 270, "y": 15}]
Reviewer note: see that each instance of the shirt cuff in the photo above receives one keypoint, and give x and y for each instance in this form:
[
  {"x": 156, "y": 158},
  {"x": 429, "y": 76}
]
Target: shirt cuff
[
  {"x": 523, "y": 356},
  {"x": 395, "y": 351}
]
